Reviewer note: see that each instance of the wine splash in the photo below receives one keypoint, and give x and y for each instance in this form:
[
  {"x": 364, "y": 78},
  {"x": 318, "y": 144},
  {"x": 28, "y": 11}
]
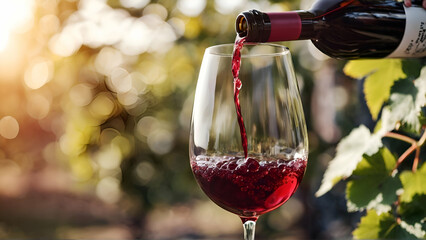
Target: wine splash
[{"x": 236, "y": 64}]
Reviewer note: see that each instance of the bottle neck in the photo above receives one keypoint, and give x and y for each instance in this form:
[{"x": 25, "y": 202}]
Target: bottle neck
[{"x": 273, "y": 27}]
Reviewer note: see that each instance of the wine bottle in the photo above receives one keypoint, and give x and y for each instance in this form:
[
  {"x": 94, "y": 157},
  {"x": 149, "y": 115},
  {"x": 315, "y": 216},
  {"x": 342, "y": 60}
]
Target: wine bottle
[{"x": 345, "y": 29}]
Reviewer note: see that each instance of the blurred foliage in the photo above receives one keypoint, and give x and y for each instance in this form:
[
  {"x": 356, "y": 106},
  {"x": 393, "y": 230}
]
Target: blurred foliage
[{"x": 95, "y": 106}]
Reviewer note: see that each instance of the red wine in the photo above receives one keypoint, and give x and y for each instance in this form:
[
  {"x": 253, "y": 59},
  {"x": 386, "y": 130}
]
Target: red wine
[
  {"x": 236, "y": 64},
  {"x": 246, "y": 186},
  {"x": 347, "y": 29}
]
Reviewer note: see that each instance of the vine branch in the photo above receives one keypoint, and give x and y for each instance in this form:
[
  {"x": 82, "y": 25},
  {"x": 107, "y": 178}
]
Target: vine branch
[
  {"x": 415, "y": 146},
  {"x": 400, "y": 137}
]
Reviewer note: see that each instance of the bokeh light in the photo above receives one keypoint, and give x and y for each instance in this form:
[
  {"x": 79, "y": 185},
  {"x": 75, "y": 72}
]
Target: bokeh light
[
  {"x": 108, "y": 189},
  {"x": 12, "y": 183},
  {"x": 38, "y": 105},
  {"x": 145, "y": 171},
  {"x": 120, "y": 80},
  {"x": 228, "y": 7},
  {"x": 160, "y": 141},
  {"x": 134, "y": 3},
  {"x": 81, "y": 94},
  {"x": 191, "y": 8},
  {"x": 9, "y": 127},
  {"x": 38, "y": 73},
  {"x": 102, "y": 105}
]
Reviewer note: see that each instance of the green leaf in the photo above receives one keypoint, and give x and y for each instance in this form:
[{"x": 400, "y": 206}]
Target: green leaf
[
  {"x": 406, "y": 102},
  {"x": 379, "y": 78},
  {"x": 422, "y": 118},
  {"x": 402, "y": 105},
  {"x": 413, "y": 183},
  {"x": 349, "y": 153},
  {"x": 412, "y": 67},
  {"x": 373, "y": 186},
  {"x": 379, "y": 164},
  {"x": 375, "y": 226},
  {"x": 413, "y": 215},
  {"x": 420, "y": 83}
]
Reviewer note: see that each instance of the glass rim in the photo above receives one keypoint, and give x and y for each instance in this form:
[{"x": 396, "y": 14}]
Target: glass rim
[{"x": 283, "y": 50}]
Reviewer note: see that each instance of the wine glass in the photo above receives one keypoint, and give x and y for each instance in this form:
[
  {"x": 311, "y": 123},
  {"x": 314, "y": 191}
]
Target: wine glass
[{"x": 277, "y": 144}]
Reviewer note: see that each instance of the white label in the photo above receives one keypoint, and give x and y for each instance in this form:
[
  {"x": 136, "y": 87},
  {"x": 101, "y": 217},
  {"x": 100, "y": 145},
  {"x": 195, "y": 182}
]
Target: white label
[{"x": 413, "y": 43}]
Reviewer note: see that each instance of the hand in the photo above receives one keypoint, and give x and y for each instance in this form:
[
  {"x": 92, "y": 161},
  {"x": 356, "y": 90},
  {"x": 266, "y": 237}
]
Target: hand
[{"x": 408, "y": 3}]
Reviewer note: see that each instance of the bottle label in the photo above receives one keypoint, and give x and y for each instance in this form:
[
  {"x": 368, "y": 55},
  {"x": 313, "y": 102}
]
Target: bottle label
[
  {"x": 285, "y": 26},
  {"x": 413, "y": 43}
]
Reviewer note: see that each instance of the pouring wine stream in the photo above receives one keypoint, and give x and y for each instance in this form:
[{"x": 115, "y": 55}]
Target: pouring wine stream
[{"x": 236, "y": 64}]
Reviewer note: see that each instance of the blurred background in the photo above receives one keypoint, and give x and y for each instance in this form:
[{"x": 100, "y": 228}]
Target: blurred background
[{"x": 95, "y": 105}]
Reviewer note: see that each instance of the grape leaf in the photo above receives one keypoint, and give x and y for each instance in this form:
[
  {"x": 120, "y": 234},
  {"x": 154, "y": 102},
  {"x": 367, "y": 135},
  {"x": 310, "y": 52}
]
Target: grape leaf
[
  {"x": 406, "y": 102},
  {"x": 413, "y": 215},
  {"x": 349, "y": 153},
  {"x": 386, "y": 123},
  {"x": 402, "y": 105},
  {"x": 420, "y": 83},
  {"x": 373, "y": 186},
  {"x": 379, "y": 78},
  {"x": 413, "y": 183},
  {"x": 412, "y": 67},
  {"x": 375, "y": 226}
]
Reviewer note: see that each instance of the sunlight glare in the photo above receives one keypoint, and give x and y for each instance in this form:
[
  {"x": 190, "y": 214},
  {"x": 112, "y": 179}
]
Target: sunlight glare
[
  {"x": 17, "y": 16},
  {"x": 4, "y": 38}
]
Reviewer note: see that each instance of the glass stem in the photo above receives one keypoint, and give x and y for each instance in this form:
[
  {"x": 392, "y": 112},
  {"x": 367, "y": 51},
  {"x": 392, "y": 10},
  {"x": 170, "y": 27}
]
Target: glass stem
[{"x": 249, "y": 228}]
